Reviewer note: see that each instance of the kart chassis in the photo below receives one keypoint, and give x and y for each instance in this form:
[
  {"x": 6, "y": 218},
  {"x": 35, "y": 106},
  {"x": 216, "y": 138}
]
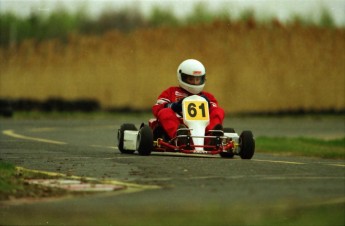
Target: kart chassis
[{"x": 152, "y": 137}]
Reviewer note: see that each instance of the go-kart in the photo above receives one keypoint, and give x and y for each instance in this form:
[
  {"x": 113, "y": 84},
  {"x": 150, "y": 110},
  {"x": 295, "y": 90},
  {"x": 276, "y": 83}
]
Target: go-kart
[{"x": 195, "y": 111}]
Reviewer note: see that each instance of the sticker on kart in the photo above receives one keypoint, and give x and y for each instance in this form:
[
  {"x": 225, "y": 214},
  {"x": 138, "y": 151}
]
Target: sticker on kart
[{"x": 196, "y": 110}]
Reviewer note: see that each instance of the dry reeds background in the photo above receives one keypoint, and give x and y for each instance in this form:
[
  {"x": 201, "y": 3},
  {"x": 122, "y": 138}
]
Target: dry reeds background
[{"x": 250, "y": 68}]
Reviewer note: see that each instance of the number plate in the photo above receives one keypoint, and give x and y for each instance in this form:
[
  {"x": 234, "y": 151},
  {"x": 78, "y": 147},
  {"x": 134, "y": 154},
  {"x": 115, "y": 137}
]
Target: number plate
[{"x": 195, "y": 110}]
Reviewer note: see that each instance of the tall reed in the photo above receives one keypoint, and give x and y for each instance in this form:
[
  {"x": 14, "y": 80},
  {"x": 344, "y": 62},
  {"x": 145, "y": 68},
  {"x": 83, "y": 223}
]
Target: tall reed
[{"x": 250, "y": 67}]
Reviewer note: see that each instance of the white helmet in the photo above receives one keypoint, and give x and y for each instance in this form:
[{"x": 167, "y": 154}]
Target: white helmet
[{"x": 188, "y": 70}]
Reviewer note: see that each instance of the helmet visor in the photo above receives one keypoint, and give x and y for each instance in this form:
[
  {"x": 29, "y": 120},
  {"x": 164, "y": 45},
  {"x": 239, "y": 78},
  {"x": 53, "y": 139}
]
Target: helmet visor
[{"x": 193, "y": 80}]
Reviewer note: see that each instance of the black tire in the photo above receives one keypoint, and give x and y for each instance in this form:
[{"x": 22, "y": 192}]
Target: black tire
[
  {"x": 247, "y": 144},
  {"x": 120, "y": 136},
  {"x": 145, "y": 140}
]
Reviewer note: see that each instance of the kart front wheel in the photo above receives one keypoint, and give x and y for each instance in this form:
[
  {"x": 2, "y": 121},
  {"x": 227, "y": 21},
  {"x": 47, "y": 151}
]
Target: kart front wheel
[
  {"x": 145, "y": 140},
  {"x": 247, "y": 144},
  {"x": 120, "y": 137}
]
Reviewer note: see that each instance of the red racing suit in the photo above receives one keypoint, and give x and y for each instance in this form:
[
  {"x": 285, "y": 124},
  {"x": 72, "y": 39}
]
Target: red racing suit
[{"x": 170, "y": 120}]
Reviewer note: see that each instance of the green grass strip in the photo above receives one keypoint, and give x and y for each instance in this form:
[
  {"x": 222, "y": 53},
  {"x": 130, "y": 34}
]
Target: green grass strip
[{"x": 311, "y": 147}]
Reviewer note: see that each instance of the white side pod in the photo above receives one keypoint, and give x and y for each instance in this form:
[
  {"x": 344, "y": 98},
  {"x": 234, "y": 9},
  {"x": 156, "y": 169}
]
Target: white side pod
[
  {"x": 234, "y": 136},
  {"x": 130, "y": 140}
]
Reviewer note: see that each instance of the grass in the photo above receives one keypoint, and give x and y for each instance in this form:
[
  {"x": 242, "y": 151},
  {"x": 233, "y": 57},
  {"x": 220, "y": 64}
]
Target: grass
[
  {"x": 8, "y": 182},
  {"x": 310, "y": 147},
  {"x": 13, "y": 184}
]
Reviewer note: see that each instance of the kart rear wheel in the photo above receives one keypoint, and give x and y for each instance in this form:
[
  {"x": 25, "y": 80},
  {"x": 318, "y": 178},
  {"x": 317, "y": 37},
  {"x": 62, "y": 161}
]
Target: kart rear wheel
[
  {"x": 120, "y": 137},
  {"x": 145, "y": 140},
  {"x": 247, "y": 144}
]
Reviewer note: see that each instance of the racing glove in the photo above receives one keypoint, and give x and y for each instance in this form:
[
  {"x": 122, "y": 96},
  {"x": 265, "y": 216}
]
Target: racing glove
[{"x": 175, "y": 106}]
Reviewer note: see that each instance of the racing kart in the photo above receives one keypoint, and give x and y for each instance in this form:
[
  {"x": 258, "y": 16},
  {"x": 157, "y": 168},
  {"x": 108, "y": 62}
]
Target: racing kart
[{"x": 195, "y": 111}]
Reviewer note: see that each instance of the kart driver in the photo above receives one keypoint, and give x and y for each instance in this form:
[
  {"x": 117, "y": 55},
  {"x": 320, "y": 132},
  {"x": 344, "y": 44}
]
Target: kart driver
[{"x": 191, "y": 75}]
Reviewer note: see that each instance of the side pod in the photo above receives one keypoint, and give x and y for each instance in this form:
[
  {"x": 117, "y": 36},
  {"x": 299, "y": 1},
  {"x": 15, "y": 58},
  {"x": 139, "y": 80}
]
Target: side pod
[{"x": 130, "y": 140}]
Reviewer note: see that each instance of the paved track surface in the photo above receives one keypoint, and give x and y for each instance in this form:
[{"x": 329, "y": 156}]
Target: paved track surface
[{"x": 182, "y": 183}]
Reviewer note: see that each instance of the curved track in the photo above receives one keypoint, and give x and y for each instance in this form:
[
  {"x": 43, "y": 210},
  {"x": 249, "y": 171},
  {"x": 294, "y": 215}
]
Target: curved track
[{"x": 181, "y": 183}]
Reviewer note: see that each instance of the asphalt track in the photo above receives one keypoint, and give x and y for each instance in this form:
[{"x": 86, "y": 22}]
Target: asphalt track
[{"x": 168, "y": 183}]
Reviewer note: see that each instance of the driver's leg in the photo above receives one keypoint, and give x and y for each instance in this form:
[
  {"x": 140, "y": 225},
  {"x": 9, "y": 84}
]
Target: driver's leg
[
  {"x": 169, "y": 121},
  {"x": 216, "y": 118}
]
